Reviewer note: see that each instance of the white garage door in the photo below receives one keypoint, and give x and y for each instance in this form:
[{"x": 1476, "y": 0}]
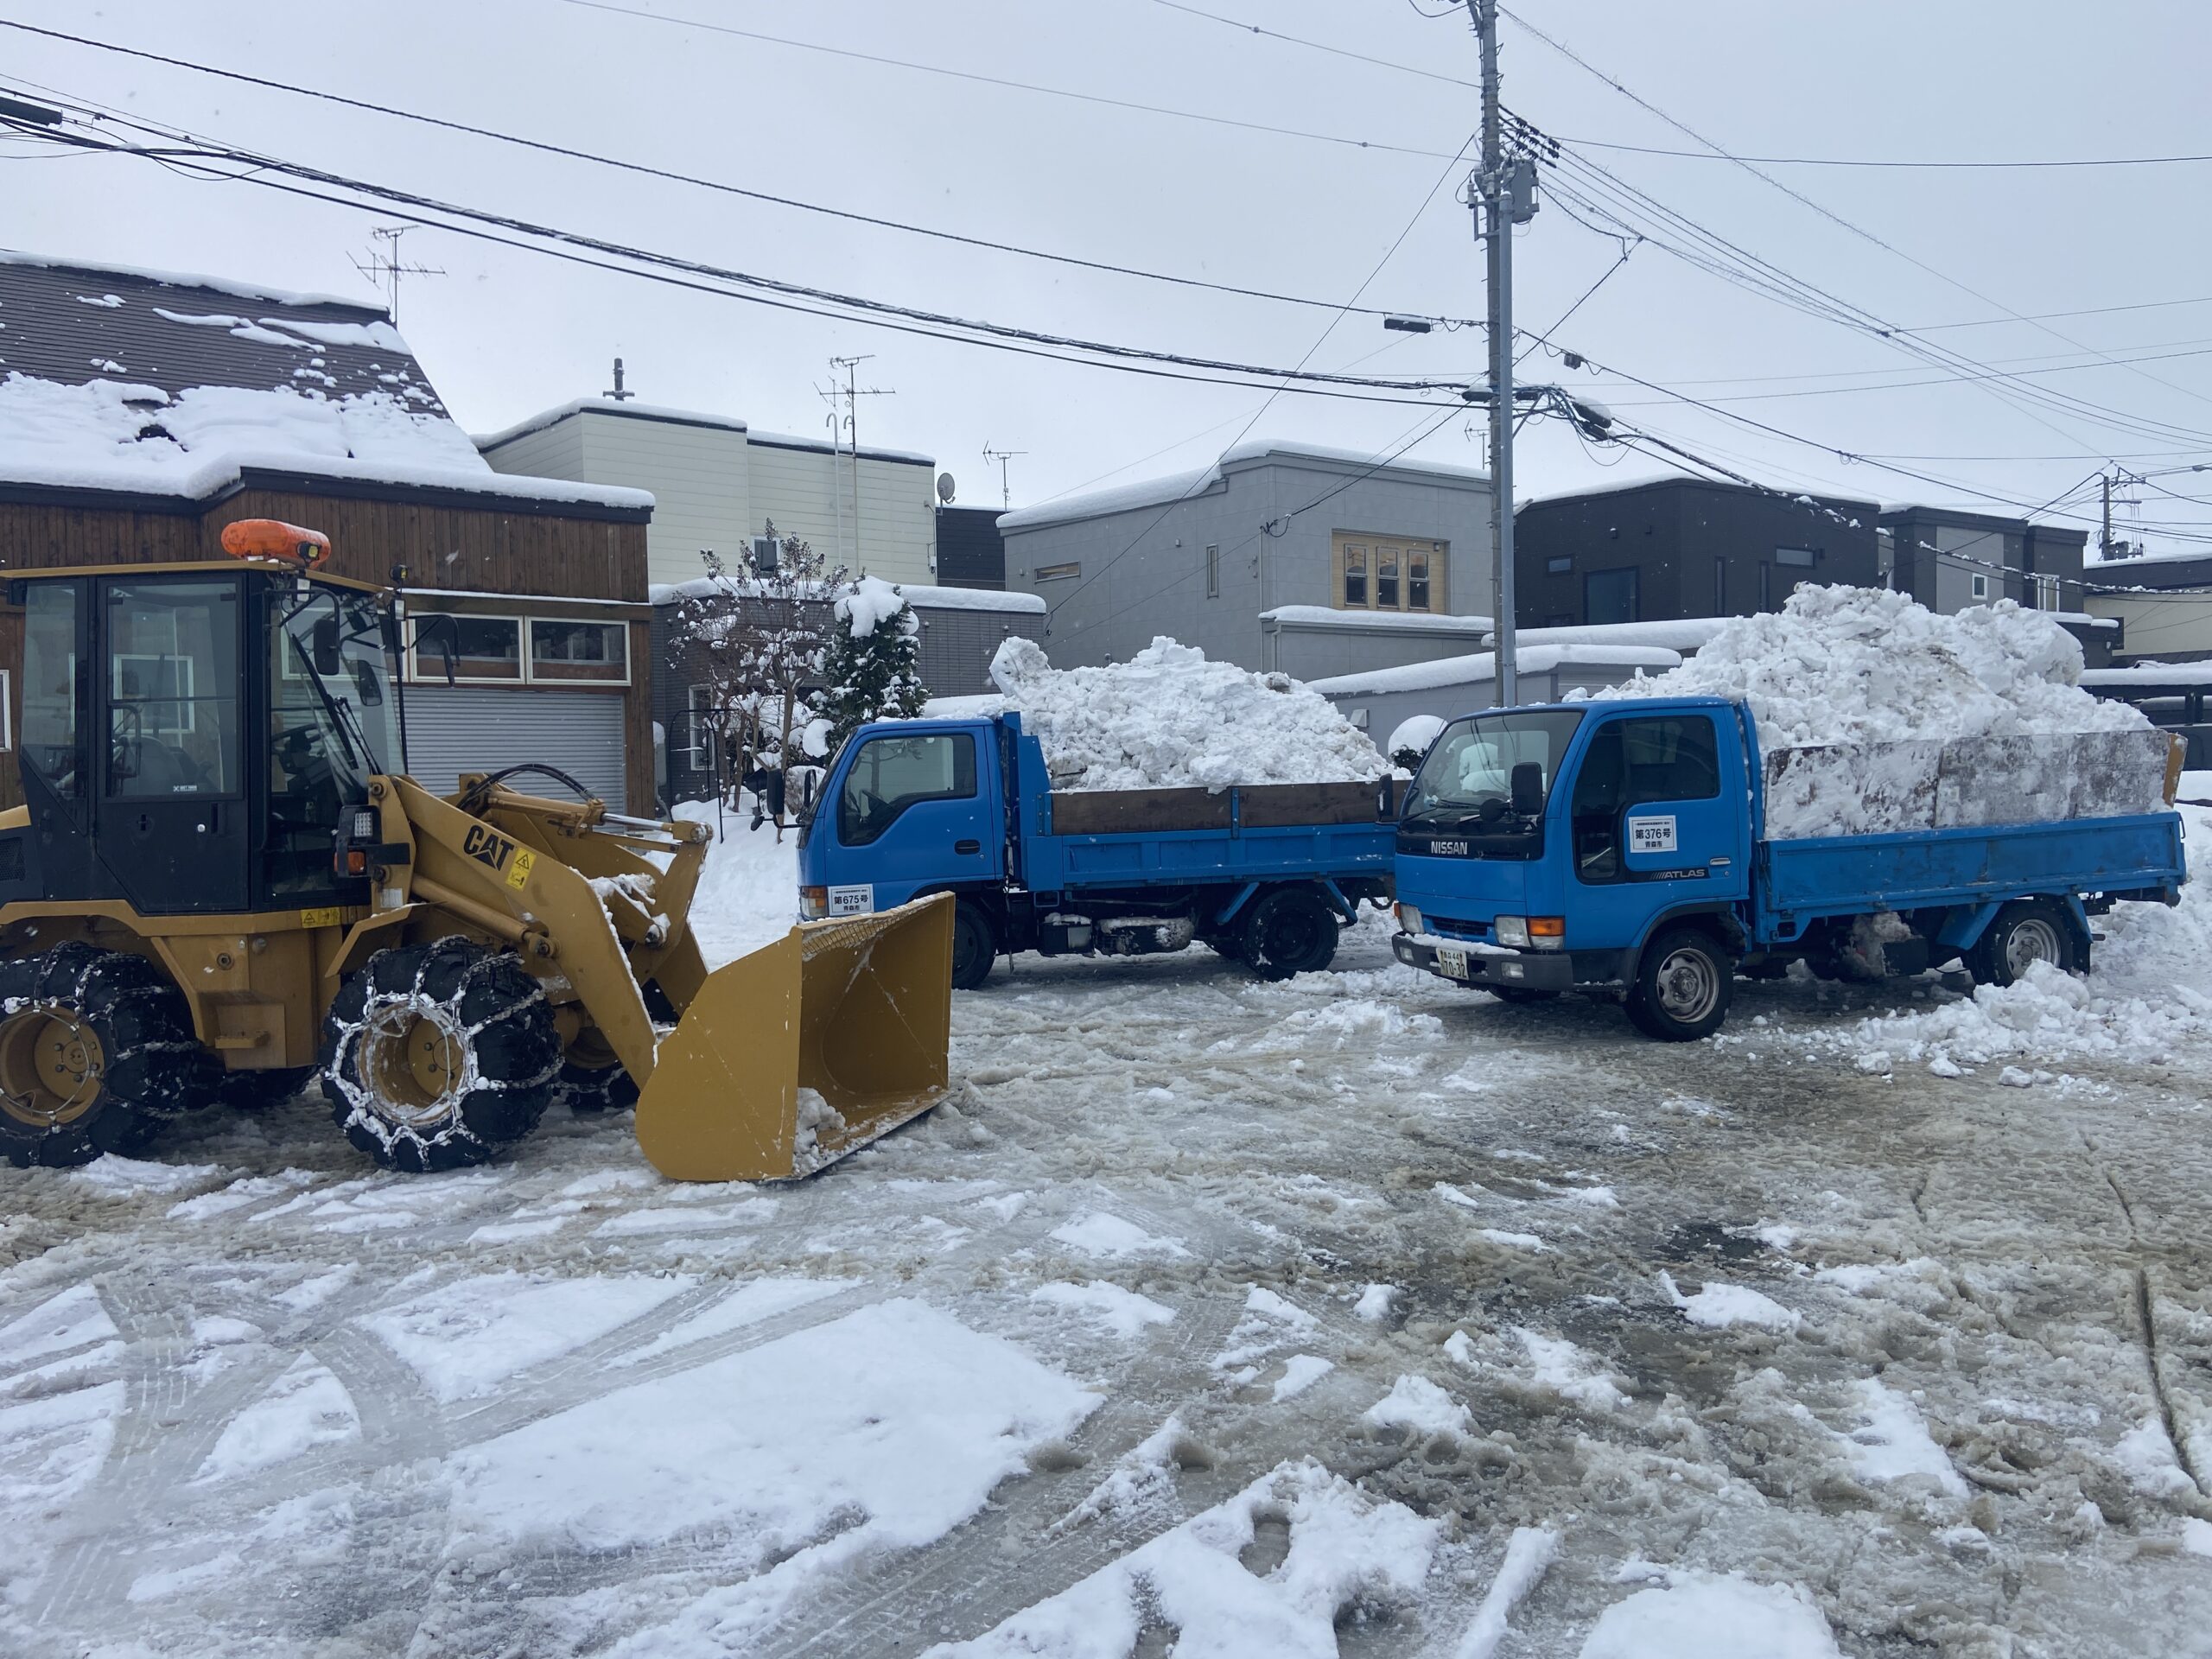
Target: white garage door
[{"x": 457, "y": 728}]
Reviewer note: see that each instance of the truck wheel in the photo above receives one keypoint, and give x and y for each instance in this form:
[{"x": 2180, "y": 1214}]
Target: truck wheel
[
  {"x": 256, "y": 1091},
  {"x": 1683, "y": 983},
  {"x": 975, "y": 944},
  {"x": 97, "y": 1053},
  {"x": 436, "y": 1056},
  {"x": 1291, "y": 931},
  {"x": 2025, "y": 931}
]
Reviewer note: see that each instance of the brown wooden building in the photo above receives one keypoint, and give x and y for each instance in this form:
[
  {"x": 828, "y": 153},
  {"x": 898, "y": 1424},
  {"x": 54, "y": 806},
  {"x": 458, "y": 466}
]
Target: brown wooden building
[{"x": 140, "y": 414}]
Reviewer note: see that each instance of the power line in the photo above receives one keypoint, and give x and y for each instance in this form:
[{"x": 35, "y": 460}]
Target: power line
[
  {"x": 1800, "y": 197},
  {"x": 669, "y": 174},
  {"x": 1864, "y": 161},
  {"x": 886, "y": 313},
  {"x": 1006, "y": 82}
]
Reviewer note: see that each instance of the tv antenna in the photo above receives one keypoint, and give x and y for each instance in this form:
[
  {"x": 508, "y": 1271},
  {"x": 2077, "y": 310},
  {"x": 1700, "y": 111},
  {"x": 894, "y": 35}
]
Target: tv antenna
[
  {"x": 1002, "y": 456},
  {"x": 384, "y": 269},
  {"x": 850, "y": 394}
]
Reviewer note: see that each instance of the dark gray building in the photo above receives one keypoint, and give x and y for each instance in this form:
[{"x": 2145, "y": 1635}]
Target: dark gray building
[
  {"x": 962, "y": 630},
  {"x": 1681, "y": 547},
  {"x": 2162, "y": 602},
  {"x": 970, "y": 552},
  {"x": 1280, "y": 556},
  {"x": 1948, "y": 559}
]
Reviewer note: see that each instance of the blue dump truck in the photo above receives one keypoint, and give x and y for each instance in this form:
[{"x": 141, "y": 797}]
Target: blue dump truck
[
  {"x": 1628, "y": 843},
  {"x": 1264, "y": 874}
]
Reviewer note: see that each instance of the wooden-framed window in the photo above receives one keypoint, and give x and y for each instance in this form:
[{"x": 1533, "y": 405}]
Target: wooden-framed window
[
  {"x": 595, "y": 652},
  {"x": 1384, "y": 573},
  {"x": 1057, "y": 572},
  {"x": 482, "y": 649}
]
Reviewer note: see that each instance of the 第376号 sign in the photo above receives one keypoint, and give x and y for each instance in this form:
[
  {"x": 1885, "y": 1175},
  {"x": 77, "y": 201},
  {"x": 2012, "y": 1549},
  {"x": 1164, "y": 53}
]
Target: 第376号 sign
[{"x": 1654, "y": 834}]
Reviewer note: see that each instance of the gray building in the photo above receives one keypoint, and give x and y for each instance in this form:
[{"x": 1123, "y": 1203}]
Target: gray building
[
  {"x": 2162, "y": 602},
  {"x": 1281, "y": 556}
]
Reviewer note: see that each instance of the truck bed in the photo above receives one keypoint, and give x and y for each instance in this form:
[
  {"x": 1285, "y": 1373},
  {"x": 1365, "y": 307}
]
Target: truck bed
[
  {"x": 1919, "y": 869},
  {"x": 1178, "y": 836}
]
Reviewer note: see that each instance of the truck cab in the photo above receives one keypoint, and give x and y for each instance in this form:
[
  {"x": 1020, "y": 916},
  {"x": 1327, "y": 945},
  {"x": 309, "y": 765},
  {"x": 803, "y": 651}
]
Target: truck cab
[
  {"x": 907, "y": 807},
  {"x": 1546, "y": 846}
]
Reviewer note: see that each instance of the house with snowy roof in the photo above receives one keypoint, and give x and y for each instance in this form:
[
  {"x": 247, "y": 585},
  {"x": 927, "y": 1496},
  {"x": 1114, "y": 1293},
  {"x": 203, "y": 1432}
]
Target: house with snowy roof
[
  {"x": 142, "y": 411},
  {"x": 1286, "y": 558}
]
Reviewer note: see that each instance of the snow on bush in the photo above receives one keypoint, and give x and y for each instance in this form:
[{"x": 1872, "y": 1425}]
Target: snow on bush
[
  {"x": 1875, "y": 715},
  {"x": 1169, "y": 718}
]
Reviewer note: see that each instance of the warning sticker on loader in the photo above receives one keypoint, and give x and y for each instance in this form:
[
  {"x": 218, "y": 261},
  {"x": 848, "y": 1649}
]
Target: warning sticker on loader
[
  {"x": 1652, "y": 835},
  {"x": 857, "y": 901},
  {"x": 525, "y": 861}
]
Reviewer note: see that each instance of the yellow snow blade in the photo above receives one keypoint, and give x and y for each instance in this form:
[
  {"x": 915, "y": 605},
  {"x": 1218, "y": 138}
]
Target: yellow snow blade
[{"x": 808, "y": 1048}]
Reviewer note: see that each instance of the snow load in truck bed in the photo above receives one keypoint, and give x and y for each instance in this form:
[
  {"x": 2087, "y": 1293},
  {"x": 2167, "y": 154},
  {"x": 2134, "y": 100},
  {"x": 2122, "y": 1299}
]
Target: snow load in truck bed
[
  {"x": 1169, "y": 718},
  {"x": 1876, "y": 714}
]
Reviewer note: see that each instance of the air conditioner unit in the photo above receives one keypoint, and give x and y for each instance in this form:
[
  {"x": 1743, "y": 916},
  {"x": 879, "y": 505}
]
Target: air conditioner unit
[{"x": 766, "y": 550}]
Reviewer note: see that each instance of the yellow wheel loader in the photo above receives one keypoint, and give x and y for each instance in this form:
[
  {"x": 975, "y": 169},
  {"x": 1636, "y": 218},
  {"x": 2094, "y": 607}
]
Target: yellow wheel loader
[{"x": 223, "y": 883}]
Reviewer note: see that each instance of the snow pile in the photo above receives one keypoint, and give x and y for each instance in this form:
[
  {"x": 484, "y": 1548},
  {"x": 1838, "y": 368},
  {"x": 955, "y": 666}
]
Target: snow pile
[
  {"x": 1168, "y": 718},
  {"x": 2145, "y": 996},
  {"x": 1347, "y": 1550},
  {"x": 873, "y": 601},
  {"x": 749, "y": 890},
  {"x": 1712, "y": 1616},
  {"x": 1876, "y": 714}
]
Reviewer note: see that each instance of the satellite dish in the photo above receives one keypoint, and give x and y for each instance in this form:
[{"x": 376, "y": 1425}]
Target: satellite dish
[{"x": 944, "y": 486}]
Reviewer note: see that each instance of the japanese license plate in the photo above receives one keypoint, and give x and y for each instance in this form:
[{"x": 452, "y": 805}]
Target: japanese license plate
[{"x": 1452, "y": 961}]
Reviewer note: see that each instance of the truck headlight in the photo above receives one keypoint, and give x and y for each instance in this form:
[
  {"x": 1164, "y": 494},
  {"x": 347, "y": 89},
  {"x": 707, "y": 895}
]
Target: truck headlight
[
  {"x": 1512, "y": 929},
  {"x": 813, "y": 904},
  {"x": 1409, "y": 918}
]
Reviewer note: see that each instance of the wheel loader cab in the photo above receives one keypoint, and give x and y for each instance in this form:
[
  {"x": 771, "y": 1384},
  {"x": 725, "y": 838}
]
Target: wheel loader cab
[{"x": 191, "y": 738}]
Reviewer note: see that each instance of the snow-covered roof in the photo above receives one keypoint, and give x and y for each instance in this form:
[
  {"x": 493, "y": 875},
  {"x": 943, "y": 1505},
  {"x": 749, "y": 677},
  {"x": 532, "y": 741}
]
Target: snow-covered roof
[
  {"x": 2118, "y": 567},
  {"x": 602, "y": 405},
  {"x": 1205, "y": 481},
  {"x": 1324, "y": 616},
  {"x": 1688, "y": 634},
  {"x": 186, "y": 279},
  {"x": 155, "y": 383},
  {"x": 922, "y": 596},
  {"x": 1483, "y": 665}
]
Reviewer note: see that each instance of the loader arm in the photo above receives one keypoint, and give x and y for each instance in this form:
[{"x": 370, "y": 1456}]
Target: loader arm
[{"x": 495, "y": 873}]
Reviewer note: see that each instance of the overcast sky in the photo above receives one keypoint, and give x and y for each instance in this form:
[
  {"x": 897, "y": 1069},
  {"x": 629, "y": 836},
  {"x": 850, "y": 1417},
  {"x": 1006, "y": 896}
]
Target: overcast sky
[{"x": 506, "y": 333}]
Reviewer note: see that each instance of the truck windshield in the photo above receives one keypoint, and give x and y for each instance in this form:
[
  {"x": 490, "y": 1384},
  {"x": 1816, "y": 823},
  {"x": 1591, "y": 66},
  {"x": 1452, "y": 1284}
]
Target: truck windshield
[{"x": 1468, "y": 775}]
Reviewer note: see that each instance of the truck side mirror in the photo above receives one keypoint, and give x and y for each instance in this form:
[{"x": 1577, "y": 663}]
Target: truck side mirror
[
  {"x": 324, "y": 648},
  {"x": 773, "y": 793},
  {"x": 1526, "y": 788}
]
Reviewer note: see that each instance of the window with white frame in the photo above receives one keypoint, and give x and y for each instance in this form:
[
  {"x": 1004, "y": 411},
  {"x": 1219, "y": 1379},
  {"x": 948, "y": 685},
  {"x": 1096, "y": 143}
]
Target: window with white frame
[
  {"x": 698, "y": 748},
  {"x": 1981, "y": 586}
]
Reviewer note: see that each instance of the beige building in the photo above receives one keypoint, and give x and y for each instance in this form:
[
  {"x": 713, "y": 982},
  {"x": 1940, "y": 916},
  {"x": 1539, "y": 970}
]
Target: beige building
[{"x": 718, "y": 484}]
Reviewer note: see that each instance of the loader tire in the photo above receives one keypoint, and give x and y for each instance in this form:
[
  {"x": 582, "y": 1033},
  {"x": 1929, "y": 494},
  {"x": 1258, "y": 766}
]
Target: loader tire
[
  {"x": 592, "y": 1080},
  {"x": 256, "y": 1091},
  {"x": 2025, "y": 931},
  {"x": 1289, "y": 932},
  {"x": 436, "y": 1055},
  {"x": 975, "y": 945},
  {"x": 97, "y": 1054}
]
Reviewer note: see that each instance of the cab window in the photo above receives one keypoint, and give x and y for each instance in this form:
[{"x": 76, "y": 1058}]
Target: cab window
[
  {"x": 1631, "y": 763},
  {"x": 172, "y": 705},
  {"x": 891, "y": 774}
]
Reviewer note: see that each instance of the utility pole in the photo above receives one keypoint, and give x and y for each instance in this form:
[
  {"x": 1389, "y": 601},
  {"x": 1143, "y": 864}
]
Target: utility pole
[
  {"x": 1002, "y": 456},
  {"x": 2117, "y": 478},
  {"x": 381, "y": 268},
  {"x": 1504, "y": 195}
]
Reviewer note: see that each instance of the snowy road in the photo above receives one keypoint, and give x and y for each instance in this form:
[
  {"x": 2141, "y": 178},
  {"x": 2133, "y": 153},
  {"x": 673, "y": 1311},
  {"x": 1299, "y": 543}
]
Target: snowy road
[{"x": 1263, "y": 1313}]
